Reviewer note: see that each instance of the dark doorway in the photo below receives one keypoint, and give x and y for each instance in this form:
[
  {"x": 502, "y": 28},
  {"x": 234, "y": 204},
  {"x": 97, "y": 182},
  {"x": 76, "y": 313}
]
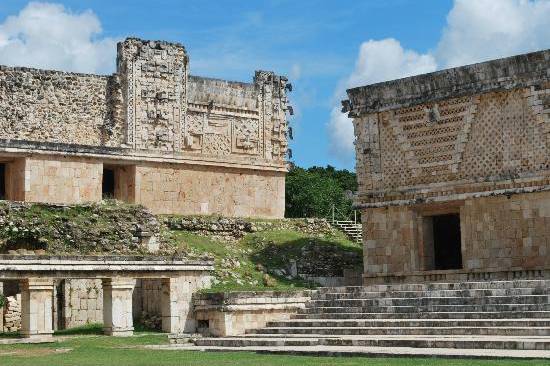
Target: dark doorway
[
  {"x": 2, "y": 181},
  {"x": 447, "y": 248},
  {"x": 108, "y": 184}
]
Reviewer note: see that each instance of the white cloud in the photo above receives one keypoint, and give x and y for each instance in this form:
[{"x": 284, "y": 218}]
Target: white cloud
[
  {"x": 486, "y": 29},
  {"x": 385, "y": 60},
  {"x": 377, "y": 61},
  {"x": 48, "y": 36},
  {"x": 476, "y": 30}
]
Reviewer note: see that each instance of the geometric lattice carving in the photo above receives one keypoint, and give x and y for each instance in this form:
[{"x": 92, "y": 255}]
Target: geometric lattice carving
[
  {"x": 538, "y": 98},
  {"x": 433, "y": 136}
]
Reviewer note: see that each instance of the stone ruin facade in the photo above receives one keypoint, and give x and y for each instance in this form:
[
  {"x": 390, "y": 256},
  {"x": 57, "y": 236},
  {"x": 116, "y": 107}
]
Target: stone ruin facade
[
  {"x": 454, "y": 172},
  {"x": 151, "y": 134}
]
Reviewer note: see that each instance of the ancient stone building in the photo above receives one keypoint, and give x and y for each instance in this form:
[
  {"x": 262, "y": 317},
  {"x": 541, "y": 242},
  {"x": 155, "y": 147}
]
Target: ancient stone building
[
  {"x": 150, "y": 134},
  {"x": 454, "y": 171}
]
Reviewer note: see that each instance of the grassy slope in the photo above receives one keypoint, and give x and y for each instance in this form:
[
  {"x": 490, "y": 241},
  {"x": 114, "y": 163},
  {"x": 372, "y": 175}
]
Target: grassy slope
[
  {"x": 106, "y": 351},
  {"x": 257, "y": 253}
]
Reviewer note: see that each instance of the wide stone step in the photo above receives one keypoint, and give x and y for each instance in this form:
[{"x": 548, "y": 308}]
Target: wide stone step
[
  {"x": 428, "y": 301},
  {"x": 432, "y": 331},
  {"x": 424, "y": 309},
  {"x": 470, "y": 342},
  {"x": 261, "y": 342},
  {"x": 456, "y": 342},
  {"x": 427, "y": 315},
  {"x": 436, "y": 293},
  {"x": 439, "y": 286},
  {"x": 411, "y": 323}
]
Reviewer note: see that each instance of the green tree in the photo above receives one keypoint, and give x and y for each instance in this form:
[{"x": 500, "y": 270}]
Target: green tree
[{"x": 313, "y": 192}]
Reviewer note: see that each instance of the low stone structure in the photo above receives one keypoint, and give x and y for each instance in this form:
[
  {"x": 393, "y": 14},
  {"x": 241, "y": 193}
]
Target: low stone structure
[
  {"x": 151, "y": 133},
  {"x": 229, "y": 314},
  {"x": 179, "y": 278},
  {"x": 454, "y": 171}
]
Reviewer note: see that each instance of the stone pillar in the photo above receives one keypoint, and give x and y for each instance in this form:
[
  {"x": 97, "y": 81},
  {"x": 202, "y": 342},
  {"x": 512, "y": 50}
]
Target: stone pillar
[
  {"x": 36, "y": 307},
  {"x": 117, "y": 306},
  {"x": 176, "y": 306}
]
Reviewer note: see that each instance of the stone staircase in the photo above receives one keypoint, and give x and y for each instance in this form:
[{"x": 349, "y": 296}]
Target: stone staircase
[
  {"x": 350, "y": 228},
  {"x": 495, "y": 315}
]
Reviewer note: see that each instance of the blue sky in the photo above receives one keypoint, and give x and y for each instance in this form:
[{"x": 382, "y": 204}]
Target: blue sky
[{"x": 322, "y": 46}]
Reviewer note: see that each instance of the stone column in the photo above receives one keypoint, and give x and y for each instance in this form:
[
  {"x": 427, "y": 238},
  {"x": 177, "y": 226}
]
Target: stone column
[
  {"x": 36, "y": 307},
  {"x": 117, "y": 306},
  {"x": 176, "y": 306}
]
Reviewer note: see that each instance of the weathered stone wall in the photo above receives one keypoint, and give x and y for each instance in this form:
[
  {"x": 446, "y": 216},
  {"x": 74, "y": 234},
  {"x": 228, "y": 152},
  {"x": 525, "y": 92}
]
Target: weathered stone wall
[
  {"x": 487, "y": 132},
  {"x": 208, "y": 190},
  {"x": 62, "y": 180},
  {"x": 151, "y": 110},
  {"x": 497, "y": 233},
  {"x": 146, "y": 303},
  {"x": 56, "y": 106},
  {"x": 479, "y": 143},
  {"x": 11, "y": 314},
  {"x": 473, "y": 141},
  {"x": 390, "y": 245},
  {"x": 82, "y": 302},
  {"x": 503, "y": 233}
]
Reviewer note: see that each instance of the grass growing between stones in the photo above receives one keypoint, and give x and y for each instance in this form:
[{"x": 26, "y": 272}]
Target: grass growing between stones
[{"x": 106, "y": 351}]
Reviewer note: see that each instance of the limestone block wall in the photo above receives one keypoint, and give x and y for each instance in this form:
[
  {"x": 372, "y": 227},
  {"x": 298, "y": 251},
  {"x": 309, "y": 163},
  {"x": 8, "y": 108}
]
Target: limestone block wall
[
  {"x": 62, "y": 180},
  {"x": 498, "y": 233},
  {"x": 146, "y": 302},
  {"x": 502, "y": 233},
  {"x": 390, "y": 243},
  {"x": 208, "y": 190},
  {"x": 82, "y": 302}
]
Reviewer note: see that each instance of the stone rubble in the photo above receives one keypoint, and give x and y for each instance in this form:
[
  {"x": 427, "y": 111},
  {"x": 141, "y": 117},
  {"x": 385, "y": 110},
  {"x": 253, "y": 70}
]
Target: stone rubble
[{"x": 12, "y": 313}]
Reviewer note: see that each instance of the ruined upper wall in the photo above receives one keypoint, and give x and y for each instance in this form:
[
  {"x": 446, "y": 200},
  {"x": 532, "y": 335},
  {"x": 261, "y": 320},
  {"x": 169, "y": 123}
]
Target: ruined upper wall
[
  {"x": 230, "y": 94},
  {"x": 478, "y": 130},
  {"x": 151, "y": 106},
  {"x": 54, "y": 106}
]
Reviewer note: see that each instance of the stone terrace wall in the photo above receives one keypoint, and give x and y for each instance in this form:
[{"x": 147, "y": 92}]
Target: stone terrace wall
[
  {"x": 172, "y": 189},
  {"x": 66, "y": 180}
]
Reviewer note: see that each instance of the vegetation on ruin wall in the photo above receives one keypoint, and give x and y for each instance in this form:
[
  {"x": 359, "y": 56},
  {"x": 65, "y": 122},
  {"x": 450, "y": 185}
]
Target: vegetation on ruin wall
[
  {"x": 256, "y": 255},
  {"x": 249, "y": 254},
  {"x": 314, "y": 191},
  {"x": 104, "y": 227},
  {"x": 117, "y": 351}
]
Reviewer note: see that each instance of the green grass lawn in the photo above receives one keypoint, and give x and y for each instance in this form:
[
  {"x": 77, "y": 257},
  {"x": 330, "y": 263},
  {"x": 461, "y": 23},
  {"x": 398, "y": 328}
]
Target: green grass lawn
[{"x": 101, "y": 350}]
